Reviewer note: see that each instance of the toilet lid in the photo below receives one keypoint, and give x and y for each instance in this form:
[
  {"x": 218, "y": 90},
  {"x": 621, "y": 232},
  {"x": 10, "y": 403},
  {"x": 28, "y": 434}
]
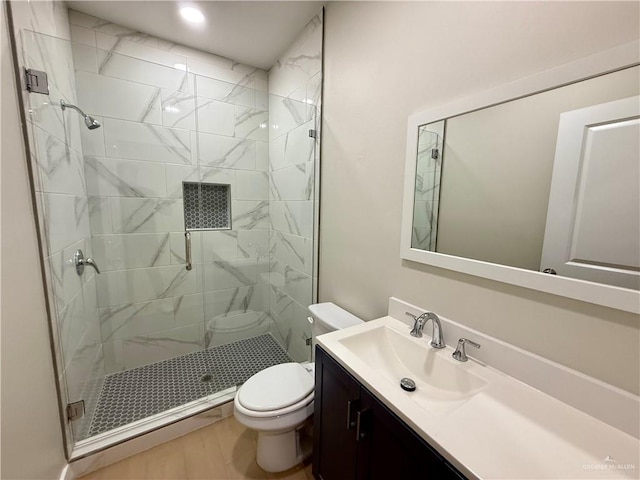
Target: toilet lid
[{"x": 276, "y": 387}]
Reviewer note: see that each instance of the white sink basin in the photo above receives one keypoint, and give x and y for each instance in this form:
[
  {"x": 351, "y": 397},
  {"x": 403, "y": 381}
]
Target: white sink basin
[{"x": 442, "y": 383}]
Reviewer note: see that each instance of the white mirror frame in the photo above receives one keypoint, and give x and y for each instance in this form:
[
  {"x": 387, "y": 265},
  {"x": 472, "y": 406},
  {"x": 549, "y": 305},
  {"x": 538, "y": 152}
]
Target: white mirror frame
[{"x": 620, "y": 57}]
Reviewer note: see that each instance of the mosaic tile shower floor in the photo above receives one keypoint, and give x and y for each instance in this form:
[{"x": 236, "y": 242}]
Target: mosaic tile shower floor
[{"x": 144, "y": 391}]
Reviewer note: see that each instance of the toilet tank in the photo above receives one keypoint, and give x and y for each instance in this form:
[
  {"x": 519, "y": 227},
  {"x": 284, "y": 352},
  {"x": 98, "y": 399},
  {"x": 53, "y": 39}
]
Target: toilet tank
[{"x": 328, "y": 317}]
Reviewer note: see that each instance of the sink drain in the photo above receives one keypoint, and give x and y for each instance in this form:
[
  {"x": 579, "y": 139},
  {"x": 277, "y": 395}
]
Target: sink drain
[
  {"x": 407, "y": 384},
  {"x": 206, "y": 378}
]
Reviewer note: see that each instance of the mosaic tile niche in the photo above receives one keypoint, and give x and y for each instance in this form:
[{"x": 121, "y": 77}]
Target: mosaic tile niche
[{"x": 207, "y": 206}]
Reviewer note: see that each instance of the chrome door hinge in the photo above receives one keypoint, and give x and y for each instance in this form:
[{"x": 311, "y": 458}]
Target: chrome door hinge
[
  {"x": 75, "y": 411},
  {"x": 37, "y": 81},
  {"x": 313, "y": 133}
]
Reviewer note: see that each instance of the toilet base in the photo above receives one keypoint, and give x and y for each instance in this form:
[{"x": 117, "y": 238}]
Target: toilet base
[{"x": 278, "y": 452}]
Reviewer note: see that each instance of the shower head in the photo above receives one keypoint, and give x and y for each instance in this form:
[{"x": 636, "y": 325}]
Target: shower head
[{"x": 89, "y": 121}]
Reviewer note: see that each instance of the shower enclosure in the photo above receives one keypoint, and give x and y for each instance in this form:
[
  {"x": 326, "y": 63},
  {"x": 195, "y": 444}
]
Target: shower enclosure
[{"x": 189, "y": 184}]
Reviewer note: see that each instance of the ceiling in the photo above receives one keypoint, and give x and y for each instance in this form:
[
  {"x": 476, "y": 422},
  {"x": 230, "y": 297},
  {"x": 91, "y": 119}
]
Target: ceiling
[{"x": 254, "y": 33}]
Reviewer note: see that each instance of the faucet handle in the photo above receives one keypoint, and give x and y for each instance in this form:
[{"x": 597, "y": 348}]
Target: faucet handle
[
  {"x": 416, "y": 330},
  {"x": 460, "y": 354}
]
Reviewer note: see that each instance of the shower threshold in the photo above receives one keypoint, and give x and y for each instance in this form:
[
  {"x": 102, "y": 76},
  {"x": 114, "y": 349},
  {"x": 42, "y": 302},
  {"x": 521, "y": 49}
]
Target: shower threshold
[{"x": 199, "y": 380}]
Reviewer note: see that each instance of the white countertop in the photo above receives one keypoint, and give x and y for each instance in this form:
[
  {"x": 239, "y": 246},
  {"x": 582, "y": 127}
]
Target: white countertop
[{"x": 508, "y": 430}]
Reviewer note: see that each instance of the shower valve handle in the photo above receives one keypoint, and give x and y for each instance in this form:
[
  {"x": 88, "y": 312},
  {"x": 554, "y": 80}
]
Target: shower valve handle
[{"x": 80, "y": 262}]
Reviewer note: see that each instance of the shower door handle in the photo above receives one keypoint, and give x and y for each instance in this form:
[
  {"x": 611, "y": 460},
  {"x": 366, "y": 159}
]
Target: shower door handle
[{"x": 187, "y": 249}]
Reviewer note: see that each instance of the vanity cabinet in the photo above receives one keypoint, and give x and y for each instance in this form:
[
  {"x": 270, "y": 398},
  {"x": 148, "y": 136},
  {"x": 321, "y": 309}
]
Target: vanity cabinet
[{"x": 356, "y": 437}]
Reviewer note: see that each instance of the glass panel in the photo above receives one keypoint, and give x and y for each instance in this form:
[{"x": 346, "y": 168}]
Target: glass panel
[
  {"x": 292, "y": 192},
  {"x": 62, "y": 205},
  {"x": 232, "y": 133}
]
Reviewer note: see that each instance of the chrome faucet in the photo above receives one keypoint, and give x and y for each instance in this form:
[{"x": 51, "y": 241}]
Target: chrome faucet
[{"x": 437, "y": 340}]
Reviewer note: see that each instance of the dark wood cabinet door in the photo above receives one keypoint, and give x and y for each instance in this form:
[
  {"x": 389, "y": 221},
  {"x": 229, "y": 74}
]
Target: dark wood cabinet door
[
  {"x": 336, "y": 400},
  {"x": 356, "y": 437},
  {"x": 389, "y": 449}
]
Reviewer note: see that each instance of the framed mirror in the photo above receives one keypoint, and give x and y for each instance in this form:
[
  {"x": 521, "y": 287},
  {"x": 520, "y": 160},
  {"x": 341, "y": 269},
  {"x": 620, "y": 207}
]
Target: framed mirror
[{"x": 535, "y": 183}]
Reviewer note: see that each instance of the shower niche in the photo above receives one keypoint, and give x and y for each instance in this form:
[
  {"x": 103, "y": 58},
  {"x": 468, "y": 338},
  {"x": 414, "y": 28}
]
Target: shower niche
[{"x": 207, "y": 206}]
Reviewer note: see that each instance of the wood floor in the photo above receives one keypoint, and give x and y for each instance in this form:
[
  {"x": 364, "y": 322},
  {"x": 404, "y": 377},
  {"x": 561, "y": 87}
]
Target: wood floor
[{"x": 225, "y": 450}]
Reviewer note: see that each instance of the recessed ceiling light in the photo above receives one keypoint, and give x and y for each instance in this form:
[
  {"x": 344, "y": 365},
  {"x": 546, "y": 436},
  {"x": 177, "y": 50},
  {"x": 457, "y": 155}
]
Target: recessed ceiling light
[{"x": 191, "y": 14}]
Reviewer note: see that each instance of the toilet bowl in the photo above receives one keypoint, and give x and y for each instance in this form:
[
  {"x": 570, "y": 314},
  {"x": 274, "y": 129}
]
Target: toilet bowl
[{"x": 278, "y": 402}]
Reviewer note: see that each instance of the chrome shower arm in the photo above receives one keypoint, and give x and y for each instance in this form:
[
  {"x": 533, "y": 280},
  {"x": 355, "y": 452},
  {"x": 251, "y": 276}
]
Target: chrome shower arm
[
  {"x": 89, "y": 121},
  {"x": 66, "y": 105}
]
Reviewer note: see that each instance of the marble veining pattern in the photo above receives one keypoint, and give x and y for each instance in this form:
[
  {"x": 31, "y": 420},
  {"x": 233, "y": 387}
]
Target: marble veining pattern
[
  {"x": 117, "y": 98},
  {"x": 118, "y": 252},
  {"x": 296, "y": 79},
  {"x": 248, "y": 215},
  {"x": 178, "y": 110},
  {"x": 142, "y": 284},
  {"x": 123, "y": 178},
  {"x": 133, "y": 215},
  {"x": 227, "y": 152},
  {"x": 60, "y": 167}
]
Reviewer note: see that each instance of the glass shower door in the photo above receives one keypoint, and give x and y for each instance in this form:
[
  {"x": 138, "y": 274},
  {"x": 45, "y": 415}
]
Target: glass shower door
[
  {"x": 180, "y": 163},
  {"x": 150, "y": 304},
  {"x": 116, "y": 194}
]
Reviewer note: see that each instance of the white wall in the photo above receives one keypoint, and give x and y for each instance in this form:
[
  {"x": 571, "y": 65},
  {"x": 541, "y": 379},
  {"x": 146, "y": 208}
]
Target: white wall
[
  {"x": 387, "y": 60},
  {"x": 31, "y": 435}
]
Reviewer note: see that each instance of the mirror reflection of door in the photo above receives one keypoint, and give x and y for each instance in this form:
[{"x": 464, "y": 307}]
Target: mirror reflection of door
[{"x": 593, "y": 220}]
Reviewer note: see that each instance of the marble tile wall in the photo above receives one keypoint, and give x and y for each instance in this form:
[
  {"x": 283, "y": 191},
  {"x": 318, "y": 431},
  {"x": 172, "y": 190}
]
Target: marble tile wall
[
  {"x": 42, "y": 34},
  {"x": 171, "y": 114},
  {"x": 294, "y": 108},
  {"x": 427, "y": 191}
]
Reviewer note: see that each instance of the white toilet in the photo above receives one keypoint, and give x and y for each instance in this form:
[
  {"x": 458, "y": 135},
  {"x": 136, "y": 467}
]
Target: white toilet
[{"x": 278, "y": 401}]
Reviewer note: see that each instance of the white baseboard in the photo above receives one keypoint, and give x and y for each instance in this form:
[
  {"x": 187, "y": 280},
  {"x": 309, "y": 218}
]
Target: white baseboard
[{"x": 67, "y": 473}]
